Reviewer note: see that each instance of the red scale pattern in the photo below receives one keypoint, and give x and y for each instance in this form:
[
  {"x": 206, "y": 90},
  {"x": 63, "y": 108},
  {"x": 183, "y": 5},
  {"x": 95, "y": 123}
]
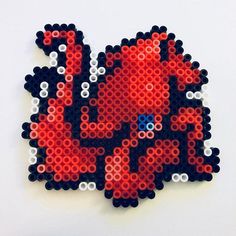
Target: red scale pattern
[{"x": 139, "y": 86}]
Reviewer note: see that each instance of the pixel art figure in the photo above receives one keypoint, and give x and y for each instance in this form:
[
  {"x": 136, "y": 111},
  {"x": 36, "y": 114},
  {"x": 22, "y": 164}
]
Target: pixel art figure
[{"x": 123, "y": 121}]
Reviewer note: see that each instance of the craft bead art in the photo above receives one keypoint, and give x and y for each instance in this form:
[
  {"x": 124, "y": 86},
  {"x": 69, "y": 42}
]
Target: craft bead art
[{"x": 124, "y": 121}]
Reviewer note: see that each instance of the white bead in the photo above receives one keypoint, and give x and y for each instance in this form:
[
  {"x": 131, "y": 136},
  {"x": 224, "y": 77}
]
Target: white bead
[
  {"x": 43, "y": 93},
  {"x": 207, "y": 152},
  {"x": 62, "y": 48},
  {"x": 207, "y": 144},
  {"x": 44, "y": 85},
  {"x": 91, "y": 186},
  {"x": 34, "y": 109},
  {"x": 53, "y": 55},
  {"x": 93, "y": 62},
  {"x": 83, "y": 186},
  {"x": 101, "y": 70},
  {"x": 184, "y": 177},
  {"x": 61, "y": 70},
  {"x": 84, "y": 93},
  {"x": 93, "y": 70},
  {"x": 93, "y": 78},
  {"x": 32, "y": 160},
  {"x": 189, "y": 95},
  {"x": 197, "y": 95},
  {"x": 32, "y": 151},
  {"x": 93, "y": 55},
  {"x": 53, "y": 62},
  {"x": 150, "y": 126},
  {"x": 85, "y": 85},
  {"x": 175, "y": 177},
  {"x": 35, "y": 101}
]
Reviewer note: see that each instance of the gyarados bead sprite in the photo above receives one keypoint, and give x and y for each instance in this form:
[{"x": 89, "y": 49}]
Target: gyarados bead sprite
[{"x": 123, "y": 121}]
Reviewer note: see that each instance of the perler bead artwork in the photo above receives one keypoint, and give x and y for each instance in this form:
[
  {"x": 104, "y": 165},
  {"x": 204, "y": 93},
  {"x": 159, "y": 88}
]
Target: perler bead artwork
[{"x": 123, "y": 121}]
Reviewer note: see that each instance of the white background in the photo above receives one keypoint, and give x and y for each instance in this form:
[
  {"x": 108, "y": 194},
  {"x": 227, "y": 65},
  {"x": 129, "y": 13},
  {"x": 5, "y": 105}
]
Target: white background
[{"x": 208, "y": 30}]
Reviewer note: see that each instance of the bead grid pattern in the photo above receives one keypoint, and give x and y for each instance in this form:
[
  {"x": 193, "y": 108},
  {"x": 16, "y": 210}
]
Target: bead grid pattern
[{"x": 123, "y": 121}]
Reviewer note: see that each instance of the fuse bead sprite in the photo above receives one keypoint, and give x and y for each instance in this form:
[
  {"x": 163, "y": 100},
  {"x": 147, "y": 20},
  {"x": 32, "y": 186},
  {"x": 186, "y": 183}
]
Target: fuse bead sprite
[{"x": 123, "y": 121}]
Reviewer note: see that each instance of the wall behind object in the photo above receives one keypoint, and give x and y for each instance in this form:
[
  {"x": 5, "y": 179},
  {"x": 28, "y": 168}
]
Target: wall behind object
[{"x": 208, "y": 29}]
